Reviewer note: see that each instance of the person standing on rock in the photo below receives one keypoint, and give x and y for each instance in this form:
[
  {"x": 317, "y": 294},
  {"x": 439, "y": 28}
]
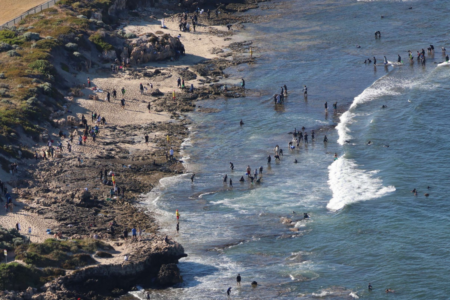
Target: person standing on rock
[
  {"x": 125, "y": 234},
  {"x": 108, "y": 96},
  {"x": 179, "y": 82},
  {"x": 134, "y": 235}
]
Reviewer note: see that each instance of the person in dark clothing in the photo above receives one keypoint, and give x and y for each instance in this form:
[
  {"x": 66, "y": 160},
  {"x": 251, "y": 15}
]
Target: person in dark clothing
[{"x": 238, "y": 280}]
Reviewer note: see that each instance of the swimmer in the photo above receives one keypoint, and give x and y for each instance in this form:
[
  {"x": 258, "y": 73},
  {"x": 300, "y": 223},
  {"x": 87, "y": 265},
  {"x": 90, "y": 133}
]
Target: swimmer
[
  {"x": 399, "y": 59},
  {"x": 225, "y": 178},
  {"x": 295, "y": 161},
  {"x": 383, "y": 106},
  {"x": 390, "y": 291},
  {"x": 305, "y": 91},
  {"x": 305, "y": 216},
  {"x": 192, "y": 177},
  {"x": 414, "y": 191},
  {"x": 428, "y": 187},
  {"x": 241, "y": 123},
  {"x": 446, "y": 58},
  {"x": 231, "y": 182},
  {"x": 387, "y": 146},
  {"x": 258, "y": 180},
  {"x": 251, "y": 179},
  {"x": 335, "y": 156},
  {"x": 358, "y": 46},
  {"x": 369, "y": 287},
  {"x": 277, "y": 157},
  {"x": 231, "y": 166},
  {"x": 242, "y": 179},
  {"x": 369, "y": 61},
  {"x": 426, "y": 195},
  {"x": 369, "y": 143}
]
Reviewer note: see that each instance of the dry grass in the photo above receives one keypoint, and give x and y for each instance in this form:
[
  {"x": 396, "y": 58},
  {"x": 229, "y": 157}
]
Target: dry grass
[{"x": 11, "y": 9}]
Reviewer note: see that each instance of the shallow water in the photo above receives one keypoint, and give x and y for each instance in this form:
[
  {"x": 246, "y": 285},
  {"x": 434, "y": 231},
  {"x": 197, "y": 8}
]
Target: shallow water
[{"x": 366, "y": 225}]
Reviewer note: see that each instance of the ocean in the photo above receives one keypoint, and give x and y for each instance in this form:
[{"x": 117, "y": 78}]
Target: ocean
[{"x": 365, "y": 223}]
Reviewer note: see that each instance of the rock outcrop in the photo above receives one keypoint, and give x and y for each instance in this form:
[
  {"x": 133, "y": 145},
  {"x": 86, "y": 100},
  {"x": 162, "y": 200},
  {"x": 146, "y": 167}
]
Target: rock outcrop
[
  {"x": 151, "y": 261},
  {"x": 153, "y": 48}
]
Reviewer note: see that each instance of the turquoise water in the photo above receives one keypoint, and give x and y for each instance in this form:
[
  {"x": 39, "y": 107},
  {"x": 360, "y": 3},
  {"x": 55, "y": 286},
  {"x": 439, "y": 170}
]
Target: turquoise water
[{"x": 366, "y": 225}]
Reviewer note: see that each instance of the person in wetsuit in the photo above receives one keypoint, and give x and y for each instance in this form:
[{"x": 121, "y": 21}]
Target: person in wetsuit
[
  {"x": 399, "y": 58},
  {"x": 374, "y": 60},
  {"x": 446, "y": 58}
]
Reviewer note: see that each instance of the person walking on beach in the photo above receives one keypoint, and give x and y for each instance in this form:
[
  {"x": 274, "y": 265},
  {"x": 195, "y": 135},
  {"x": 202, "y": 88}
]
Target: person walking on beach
[
  {"x": 108, "y": 96},
  {"x": 179, "y": 82},
  {"x": 146, "y": 139},
  {"x": 238, "y": 279},
  {"x": 141, "y": 88},
  {"x": 171, "y": 154},
  {"x": 114, "y": 93},
  {"x": 177, "y": 214},
  {"x": 122, "y": 103},
  {"x": 123, "y": 91},
  {"x": 182, "y": 83},
  {"x": 149, "y": 107}
]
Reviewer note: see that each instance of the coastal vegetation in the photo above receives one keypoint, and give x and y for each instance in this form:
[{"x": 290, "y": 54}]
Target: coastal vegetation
[{"x": 29, "y": 62}]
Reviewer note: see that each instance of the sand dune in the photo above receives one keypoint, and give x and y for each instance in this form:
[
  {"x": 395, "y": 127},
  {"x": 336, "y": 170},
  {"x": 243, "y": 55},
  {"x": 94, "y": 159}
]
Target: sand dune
[{"x": 13, "y": 8}]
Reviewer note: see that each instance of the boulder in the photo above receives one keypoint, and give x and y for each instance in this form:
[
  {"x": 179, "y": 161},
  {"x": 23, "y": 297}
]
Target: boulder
[{"x": 169, "y": 274}]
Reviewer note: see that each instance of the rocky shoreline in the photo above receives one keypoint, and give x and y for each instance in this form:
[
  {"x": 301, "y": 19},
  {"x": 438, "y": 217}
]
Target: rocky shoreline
[{"x": 69, "y": 191}]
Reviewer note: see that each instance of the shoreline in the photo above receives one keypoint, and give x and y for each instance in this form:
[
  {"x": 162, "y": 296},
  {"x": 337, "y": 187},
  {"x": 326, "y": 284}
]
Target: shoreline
[{"x": 144, "y": 169}]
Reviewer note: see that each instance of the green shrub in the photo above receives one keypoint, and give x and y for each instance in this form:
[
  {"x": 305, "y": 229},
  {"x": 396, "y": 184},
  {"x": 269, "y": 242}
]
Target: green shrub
[
  {"x": 13, "y": 53},
  {"x": 5, "y": 47},
  {"x": 65, "y": 67},
  {"x": 100, "y": 43},
  {"x": 42, "y": 66},
  {"x": 28, "y": 36}
]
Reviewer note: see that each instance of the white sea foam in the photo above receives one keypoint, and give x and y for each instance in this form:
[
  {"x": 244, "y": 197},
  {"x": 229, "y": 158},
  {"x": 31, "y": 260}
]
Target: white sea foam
[
  {"x": 379, "y": 88},
  {"x": 349, "y": 184}
]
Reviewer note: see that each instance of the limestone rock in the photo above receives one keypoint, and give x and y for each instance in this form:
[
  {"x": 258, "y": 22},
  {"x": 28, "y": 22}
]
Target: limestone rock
[{"x": 169, "y": 274}]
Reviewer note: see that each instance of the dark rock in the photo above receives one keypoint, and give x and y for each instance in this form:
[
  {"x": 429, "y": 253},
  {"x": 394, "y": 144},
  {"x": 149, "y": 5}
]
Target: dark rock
[{"x": 169, "y": 274}]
